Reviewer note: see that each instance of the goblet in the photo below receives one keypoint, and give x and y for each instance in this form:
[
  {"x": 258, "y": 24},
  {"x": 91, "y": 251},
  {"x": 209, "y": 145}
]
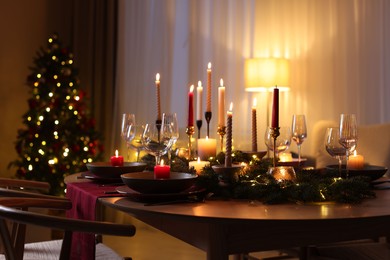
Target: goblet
[
  {"x": 170, "y": 120},
  {"x": 333, "y": 146},
  {"x": 156, "y": 139},
  {"x": 348, "y": 134},
  {"x": 128, "y": 130},
  {"x": 136, "y": 143},
  {"x": 299, "y": 132},
  {"x": 283, "y": 141}
]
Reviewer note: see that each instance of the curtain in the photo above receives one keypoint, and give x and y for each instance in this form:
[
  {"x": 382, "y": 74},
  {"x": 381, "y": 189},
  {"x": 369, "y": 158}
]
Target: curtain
[
  {"x": 94, "y": 34},
  {"x": 338, "y": 51}
]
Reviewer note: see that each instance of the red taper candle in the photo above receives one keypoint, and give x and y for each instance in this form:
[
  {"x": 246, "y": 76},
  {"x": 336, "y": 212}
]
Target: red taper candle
[
  {"x": 275, "y": 109},
  {"x": 191, "y": 106}
]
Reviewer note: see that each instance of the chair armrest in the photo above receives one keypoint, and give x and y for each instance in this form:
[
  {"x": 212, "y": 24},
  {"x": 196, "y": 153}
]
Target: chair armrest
[
  {"x": 19, "y": 193},
  {"x": 46, "y": 203},
  {"x": 26, "y": 184}
]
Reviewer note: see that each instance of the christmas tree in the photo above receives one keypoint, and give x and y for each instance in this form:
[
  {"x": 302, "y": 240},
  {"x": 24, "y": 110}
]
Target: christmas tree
[{"x": 59, "y": 137}]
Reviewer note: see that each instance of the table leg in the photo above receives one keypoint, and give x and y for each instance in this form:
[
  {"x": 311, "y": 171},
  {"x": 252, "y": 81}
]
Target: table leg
[{"x": 217, "y": 244}]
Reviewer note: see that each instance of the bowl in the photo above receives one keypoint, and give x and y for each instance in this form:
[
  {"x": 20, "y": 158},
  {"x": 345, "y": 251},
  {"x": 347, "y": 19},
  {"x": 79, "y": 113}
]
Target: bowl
[
  {"x": 106, "y": 170},
  {"x": 144, "y": 182},
  {"x": 372, "y": 171}
]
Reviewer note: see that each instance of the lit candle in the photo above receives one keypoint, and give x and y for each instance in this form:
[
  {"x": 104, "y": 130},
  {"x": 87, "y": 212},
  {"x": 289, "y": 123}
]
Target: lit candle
[
  {"x": 116, "y": 160},
  {"x": 254, "y": 126},
  {"x": 162, "y": 171},
  {"x": 229, "y": 126},
  {"x": 275, "y": 109},
  {"x": 191, "y": 107},
  {"x": 158, "y": 96},
  {"x": 199, "y": 92},
  {"x": 355, "y": 161},
  {"x": 285, "y": 157},
  {"x": 207, "y": 147},
  {"x": 221, "y": 104},
  {"x": 199, "y": 165},
  {"x": 208, "y": 107}
]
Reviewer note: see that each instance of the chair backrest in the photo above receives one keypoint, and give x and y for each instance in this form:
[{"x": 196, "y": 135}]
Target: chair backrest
[{"x": 9, "y": 211}]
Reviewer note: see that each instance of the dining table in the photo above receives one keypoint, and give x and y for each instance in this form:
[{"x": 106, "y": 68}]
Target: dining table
[{"x": 223, "y": 227}]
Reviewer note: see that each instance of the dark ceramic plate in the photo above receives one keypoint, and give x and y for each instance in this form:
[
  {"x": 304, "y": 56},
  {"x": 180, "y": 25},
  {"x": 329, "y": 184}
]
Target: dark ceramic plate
[
  {"x": 371, "y": 171},
  {"x": 155, "y": 197},
  {"x": 107, "y": 171},
  {"x": 144, "y": 182}
]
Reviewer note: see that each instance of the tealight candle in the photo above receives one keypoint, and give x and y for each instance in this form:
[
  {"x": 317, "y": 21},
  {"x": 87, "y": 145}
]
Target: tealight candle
[
  {"x": 116, "y": 160},
  {"x": 162, "y": 171},
  {"x": 285, "y": 157},
  {"x": 198, "y": 165},
  {"x": 207, "y": 147},
  {"x": 355, "y": 161}
]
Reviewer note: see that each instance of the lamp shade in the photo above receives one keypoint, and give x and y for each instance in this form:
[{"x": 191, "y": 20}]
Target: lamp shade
[{"x": 263, "y": 73}]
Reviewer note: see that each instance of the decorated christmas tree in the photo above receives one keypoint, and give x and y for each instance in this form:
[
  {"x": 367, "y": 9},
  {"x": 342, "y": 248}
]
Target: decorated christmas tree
[{"x": 59, "y": 137}]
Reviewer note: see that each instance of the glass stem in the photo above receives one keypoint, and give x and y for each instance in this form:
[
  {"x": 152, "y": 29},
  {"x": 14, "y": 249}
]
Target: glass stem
[
  {"x": 138, "y": 152},
  {"x": 346, "y": 163},
  {"x": 299, "y": 153},
  {"x": 340, "y": 164}
]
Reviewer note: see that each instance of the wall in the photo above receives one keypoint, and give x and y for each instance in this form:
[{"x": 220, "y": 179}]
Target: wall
[{"x": 24, "y": 26}]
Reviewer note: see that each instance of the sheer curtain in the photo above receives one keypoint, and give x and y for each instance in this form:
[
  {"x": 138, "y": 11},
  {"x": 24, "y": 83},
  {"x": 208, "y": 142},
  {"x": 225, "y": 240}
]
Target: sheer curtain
[{"x": 338, "y": 50}]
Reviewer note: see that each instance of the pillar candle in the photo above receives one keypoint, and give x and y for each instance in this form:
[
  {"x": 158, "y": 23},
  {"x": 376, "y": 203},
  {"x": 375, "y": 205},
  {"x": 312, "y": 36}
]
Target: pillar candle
[
  {"x": 191, "y": 106},
  {"x": 116, "y": 160},
  {"x": 208, "y": 107},
  {"x": 207, "y": 147},
  {"x": 221, "y": 104},
  {"x": 355, "y": 161},
  {"x": 254, "y": 126},
  {"x": 199, "y": 92},
  {"x": 199, "y": 165},
  {"x": 158, "y": 96},
  {"x": 162, "y": 171},
  {"x": 229, "y": 130},
  {"x": 275, "y": 109}
]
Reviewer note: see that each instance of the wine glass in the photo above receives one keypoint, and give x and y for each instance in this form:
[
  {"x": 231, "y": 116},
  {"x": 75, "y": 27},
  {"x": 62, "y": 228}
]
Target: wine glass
[
  {"x": 299, "y": 132},
  {"x": 136, "y": 143},
  {"x": 128, "y": 130},
  {"x": 283, "y": 141},
  {"x": 333, "y": 146},
  {"x": 156, "y": 139},
  {"x": 348, "y": 134},
  {"x": 171, "y": 121}
]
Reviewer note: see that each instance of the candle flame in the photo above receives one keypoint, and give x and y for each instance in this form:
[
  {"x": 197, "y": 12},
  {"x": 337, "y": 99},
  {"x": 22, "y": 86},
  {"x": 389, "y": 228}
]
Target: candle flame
[
  {"x": 116, "y": 153},
  {"x": 192, "y": 88},
  {"x": 355, "y": 153},
  {"x": 231, "y": 106},
  {"x": 209, "y": 66},
  {"x": 199, "y": 83},
  {"x": 158, "y": 77},
  {"x": 207, "y": 137},
  {"x": 221, "y": 82},
  {"x": 254, "y": 102},
  {"x": 198, "y": 159},
  {"x": 162, "y": 162}
]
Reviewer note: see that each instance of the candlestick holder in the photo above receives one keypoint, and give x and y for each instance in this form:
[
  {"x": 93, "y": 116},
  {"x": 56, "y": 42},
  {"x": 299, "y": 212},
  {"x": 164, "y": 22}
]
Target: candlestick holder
[
  {"x": 158, "y": 125},
  {"x": 275, "y": 133},
  {"x": 207, "y": 115},
  {"x": 221, "y": 131},
  {"x": 190, "y": 130},
  {"x": 199, "y": 126},
  {"x": 227, "y": 175}
]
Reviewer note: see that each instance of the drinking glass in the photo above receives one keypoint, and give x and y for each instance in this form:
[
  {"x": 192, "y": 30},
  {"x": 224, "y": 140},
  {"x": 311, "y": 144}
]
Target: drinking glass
[
  {"x": 348, "y": 134},
  {"x": 333, "y": 146},
  {"x": 299, "y": 132},
  {"x": 157, "y": 139},
  {"x": 136, "y": 143},
  {"x": 170, "y": 120},
  {"x": 128, "y": 130},
  {"x": 283, "y": 141}
]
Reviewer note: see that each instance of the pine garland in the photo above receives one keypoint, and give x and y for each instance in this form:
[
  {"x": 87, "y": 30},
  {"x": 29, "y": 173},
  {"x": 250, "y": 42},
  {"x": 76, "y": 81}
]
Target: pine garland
[{"x": 254, "y": 183}]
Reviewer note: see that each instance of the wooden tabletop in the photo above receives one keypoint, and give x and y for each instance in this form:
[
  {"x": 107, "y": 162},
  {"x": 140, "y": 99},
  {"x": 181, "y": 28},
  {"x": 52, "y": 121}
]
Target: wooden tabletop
[{"x": 238, "y": 226}]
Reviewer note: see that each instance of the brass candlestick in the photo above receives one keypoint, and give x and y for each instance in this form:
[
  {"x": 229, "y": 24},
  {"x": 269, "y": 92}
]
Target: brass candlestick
[
  {"x": 275, "y": 133},
  {"x": 190, "y": 130},
  {"x": 221, "y": 131},
  {"x": 207, "y": 115},
  {"x": 199, "y": 125}
]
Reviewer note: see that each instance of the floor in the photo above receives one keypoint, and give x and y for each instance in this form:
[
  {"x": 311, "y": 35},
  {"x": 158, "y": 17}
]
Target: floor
[{"x": 152, "y": 244}]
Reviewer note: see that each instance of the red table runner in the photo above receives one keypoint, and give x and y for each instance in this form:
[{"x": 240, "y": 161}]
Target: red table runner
[{"x": 84, "y": 196}]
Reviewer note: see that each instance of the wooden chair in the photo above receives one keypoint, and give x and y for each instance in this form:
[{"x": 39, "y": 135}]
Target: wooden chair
[{"x": 14, "y": 209}]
